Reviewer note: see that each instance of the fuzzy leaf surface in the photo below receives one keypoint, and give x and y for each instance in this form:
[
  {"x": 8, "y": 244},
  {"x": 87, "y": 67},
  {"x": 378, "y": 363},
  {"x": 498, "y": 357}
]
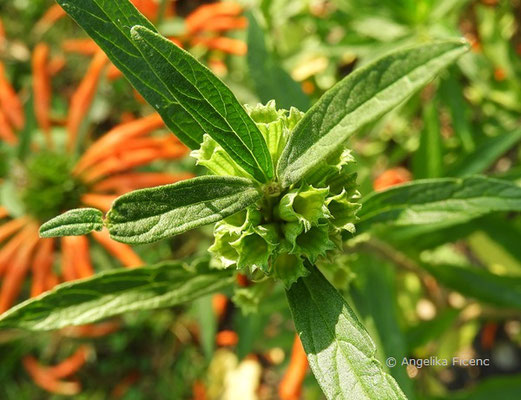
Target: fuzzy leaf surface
[
  {"x": 358, "y": 99},
  {"x": 340, "y": 351},
  {"x": 190, "y": 99},
  {"x": 439, "y": 202},
  {"x": 148, "y": 215},
  {"x": 374, "y": 296},
  {"x": 115, "y": 292},
  {"x": 76, "y": 222}
]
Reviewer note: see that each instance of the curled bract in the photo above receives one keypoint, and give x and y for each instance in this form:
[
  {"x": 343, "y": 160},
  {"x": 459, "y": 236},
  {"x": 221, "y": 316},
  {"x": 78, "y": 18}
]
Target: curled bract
[{"x": 286, "y": 227}]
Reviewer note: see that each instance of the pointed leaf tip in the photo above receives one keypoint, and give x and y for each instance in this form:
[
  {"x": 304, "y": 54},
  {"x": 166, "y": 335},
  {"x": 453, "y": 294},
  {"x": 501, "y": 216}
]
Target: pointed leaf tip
[
  {"x": 360, "y": 98},
  {"x": 149, "y": 215},
  {"x": 197, "y": 98},
  {"x": 76, "y": 222}
]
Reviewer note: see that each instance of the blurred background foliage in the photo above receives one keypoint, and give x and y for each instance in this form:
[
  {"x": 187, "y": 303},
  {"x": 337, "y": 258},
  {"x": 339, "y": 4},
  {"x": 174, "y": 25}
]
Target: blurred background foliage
[{"x": 449, "y": 293}]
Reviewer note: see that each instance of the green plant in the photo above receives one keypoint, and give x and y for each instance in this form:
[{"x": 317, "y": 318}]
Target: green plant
[{"x": 282, "y": 195}]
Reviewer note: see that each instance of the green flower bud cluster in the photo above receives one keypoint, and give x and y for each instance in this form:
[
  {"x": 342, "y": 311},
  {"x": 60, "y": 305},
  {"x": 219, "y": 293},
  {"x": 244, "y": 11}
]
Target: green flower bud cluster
[{"x": 287, "y": 227}]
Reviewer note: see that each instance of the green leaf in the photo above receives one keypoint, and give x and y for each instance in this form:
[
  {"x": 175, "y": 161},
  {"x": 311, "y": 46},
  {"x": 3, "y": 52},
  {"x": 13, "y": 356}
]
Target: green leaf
[
  {"x": 207, "y": 324},
  {"x": 506, "y": 236},
  {"x": 428, "y": 159},
  {"x": 375, "y": 297},
  {"x": 73, "y": 223},
  {"x": 195, "y": 95},
  {"x": 358, "y": 99},
  {"x": 445, "y": 8},
  {"x": 23, "y": 148},
  {"x": 271, "y": 81},
  {"x": 148, "y": 215},
  {"x": 189, "y": 98},
  {"x": 113, "y": 293},
  {"x": 439, "y": 202},
  {"x": 451, "y": 94},
  {"x": 492, "y": 251},
  {"x": 249, "y": 330},
  {"x": 340, "y": 351},
  {"x": 479, "y": 283}
]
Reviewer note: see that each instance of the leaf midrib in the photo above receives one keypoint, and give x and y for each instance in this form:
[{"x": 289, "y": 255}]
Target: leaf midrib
[
  {"x": 249, "y": 189},
  {"x": 38, "y": 315},
  {"x": 173, "y": 209},
  {"x": 339, "y": 348},
  {"x": 207, "y": 102},
  {"x": 356, "y": 109},
  {"x": 68, "y": 224},
  {"x": 111, "y": 298}
]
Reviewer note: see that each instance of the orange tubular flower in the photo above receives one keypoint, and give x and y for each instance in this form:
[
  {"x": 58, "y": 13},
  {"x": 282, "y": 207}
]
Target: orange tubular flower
[
  {"x": 3, "y": 212},
  {"x": 70, "y": 365},
  {"x": 219, "y": 305},
  {"x": 53, "y": 14},
  {"x": 16, "y": 270},
  {"x": 61, "y": 179},
  {"x": 119, "y": 250},
  {"x": 196, "y": 21},
  {"x": 291, "y": 385},
  {"x": 82, "y": 98},
  {"x": 48, "y": 378},
  {"x": 392, "y": 177},
  {"x": 227, "y": 45},
  {"x": 2, "y": 34},
  {"x": 10, "y": 101},
  {"x": 8, "y": 252},
  {"x": 151, "y": 8},
  {"x": 106, "y": 170},
  {"x": 86, "y": 47},
  {"x": 206, "y": 24},
  {"x": 124, "y": 183},
  {"x": 48, "y": 382},
  {"x": 42, "y": 265},
  {"x": 42, "y": 86},
  {"x": 91, "y": 330},
  {"x": 55, "y": 65},
  {"x": 227, "y": 338},
  {"x": 124, "y": 385},
  {"x": 199, "y": 391},
  {"x": 224, "y": 24},
  {"x": 6, "y": 131}
]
